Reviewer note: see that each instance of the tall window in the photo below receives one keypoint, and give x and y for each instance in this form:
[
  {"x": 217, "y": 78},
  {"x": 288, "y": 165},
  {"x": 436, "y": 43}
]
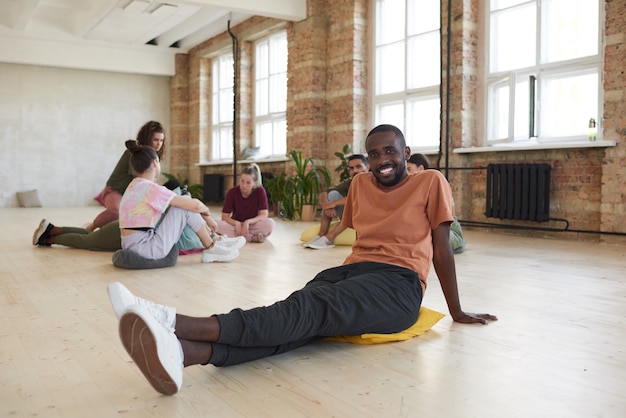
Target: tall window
[
  {"x": 544, "y": 67},
  {"x": 407, "y": 68},
  {"x": 222, "y": 102},
  {"x": 271, "y": 94}
]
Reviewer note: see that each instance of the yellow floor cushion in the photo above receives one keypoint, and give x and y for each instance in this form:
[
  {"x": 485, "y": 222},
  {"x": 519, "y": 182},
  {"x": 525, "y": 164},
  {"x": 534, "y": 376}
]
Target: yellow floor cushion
[
  {"x": 425, "y": 321},
  {"x": 347, "y": 237}
]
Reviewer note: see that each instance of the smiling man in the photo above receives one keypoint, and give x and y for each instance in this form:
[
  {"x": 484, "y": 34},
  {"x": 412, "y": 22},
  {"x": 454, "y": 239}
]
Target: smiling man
[{"x": 402, "y": 224}]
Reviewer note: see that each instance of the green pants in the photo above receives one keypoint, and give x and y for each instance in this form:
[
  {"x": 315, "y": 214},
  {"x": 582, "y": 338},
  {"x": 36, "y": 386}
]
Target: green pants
[
  {"x": 106, "y": 238},
  {"x": 456, "y": 237}
]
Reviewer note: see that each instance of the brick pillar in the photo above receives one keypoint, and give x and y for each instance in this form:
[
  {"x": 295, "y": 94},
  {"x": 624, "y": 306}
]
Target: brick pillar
[
  {"x": 613, "y": 206},
  {"x": 463, "y": 97},
  {"x": 306, "y": 97},
  {"x": 347, "y": 77},
  {"x": 178, "y": 142}
]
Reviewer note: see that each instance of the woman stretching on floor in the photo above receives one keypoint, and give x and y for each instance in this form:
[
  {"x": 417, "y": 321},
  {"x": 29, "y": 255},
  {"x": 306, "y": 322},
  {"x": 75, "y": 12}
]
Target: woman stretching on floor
[
  {"x": 151, "y": 134},
  {"x": 245, "y": 210},
  {"x": 152, "y": 217},
  {"x": 106, "y": 238}
]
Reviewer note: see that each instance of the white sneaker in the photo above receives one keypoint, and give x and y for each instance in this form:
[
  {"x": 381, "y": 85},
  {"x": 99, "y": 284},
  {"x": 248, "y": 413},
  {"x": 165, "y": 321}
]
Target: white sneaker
[
  {"x": 219, "y": 253},
  {"x": 315, "y": 238},
  {"x": 154, "y": 349},
  {"x": 38, "y": 235},
  {"x": 121, "y": 298},
  {"x": 321, "y": 244},
  {"x": 234, "y": 243}
]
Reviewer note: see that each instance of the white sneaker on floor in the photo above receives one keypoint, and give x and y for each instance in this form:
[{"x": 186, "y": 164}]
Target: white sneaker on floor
[
  {"x": 121, "y": 298},
  {"x": 315, "y": 238},
  {"x": 40, "y": 231},
  {"x": 235, "y": 243},
  {"x": 154, "y": 349},
  {"x": 219, "y": 253},
  {"x": 321, "y": 244}
]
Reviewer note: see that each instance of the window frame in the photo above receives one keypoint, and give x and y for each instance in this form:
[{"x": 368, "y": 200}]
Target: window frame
[
  {"x": 222, "y": 128},
  {"x": 542, "y": 71},
  {"x": 272, "y": 122},
  {"x": 407, "y": 96}
]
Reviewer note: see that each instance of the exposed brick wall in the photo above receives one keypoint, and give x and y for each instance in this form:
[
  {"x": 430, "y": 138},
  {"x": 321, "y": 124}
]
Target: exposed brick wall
[
  {"x": 328, "y": 106},
  {"x": 613, "y": 191},
  {"x": 178, "y": 143}
]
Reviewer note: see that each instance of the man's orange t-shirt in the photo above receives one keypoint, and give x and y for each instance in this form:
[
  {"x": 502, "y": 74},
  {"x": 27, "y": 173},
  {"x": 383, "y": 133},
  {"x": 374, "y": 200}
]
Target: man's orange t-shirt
[{"x": 395, "y": 226}]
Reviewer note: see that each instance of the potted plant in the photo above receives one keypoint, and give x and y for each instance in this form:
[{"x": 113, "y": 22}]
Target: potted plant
[
  {"x": 303, "y": 188},
  {"x": 275, "y": 187},
  {"x": 195, "y": 190},
  {"x": 344, "y": 167}
]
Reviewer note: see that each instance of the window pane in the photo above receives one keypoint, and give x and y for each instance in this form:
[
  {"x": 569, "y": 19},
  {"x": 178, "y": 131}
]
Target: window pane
[
  {"x": 512, "y": 38},
  {"x": 423, "y": 66},
  {"x": 390, "y": 68},
  {"x": 261, "y": 60},
  {"x": 261, "y": 95},
  {"x": 521, "y": 119},
  {"x": 277, "y": 94},
  {"x": 570, "y": 29},
  {"x": 422, "y": 120},
  {"x": 389, "y": 21},
  {"x": 226, "y": 106},
  {"x": 391, "y": 113},
  {"x": 278, "y": 54},
  {"x": 222, "y": 143},
  {"x": 226, "y": 137},
  {"x": 499, "y": 112},
  {"x": 226, "y": 71},
  {"x": 568, "y": 103},
  {"x": 215, "y": 107},
  {"x": 280, "y": 137},
  {"x": 264, "y": 137},
  {"x": 423, "y": 16}
]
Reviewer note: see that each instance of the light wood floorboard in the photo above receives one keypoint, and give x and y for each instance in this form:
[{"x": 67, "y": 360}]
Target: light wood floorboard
[{"x": 558, "y": 349}]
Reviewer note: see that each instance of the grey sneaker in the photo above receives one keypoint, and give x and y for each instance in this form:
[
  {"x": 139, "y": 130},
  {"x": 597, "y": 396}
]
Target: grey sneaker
[
  {"x": 121, "y": 298},
  {"x": 315, "y": 238},
  {"x": 154, "y": 349},
  {"x": 219, "y": 253},
  {"x": 321, "y": 244},
  {"x": 234, "y": 243}
]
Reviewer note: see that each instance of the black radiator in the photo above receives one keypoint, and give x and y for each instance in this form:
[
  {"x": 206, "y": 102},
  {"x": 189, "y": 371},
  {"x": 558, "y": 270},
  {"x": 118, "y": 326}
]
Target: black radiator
[
  {"x": 518, "y": 191},
  {"x": 213, "y": 188}
]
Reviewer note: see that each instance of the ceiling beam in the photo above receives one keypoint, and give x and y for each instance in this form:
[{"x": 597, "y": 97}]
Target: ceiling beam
[
  {"x": 148, "y": 60},
  {"x": 280, "y": 9},
  {"x": 204, "y": 17}
]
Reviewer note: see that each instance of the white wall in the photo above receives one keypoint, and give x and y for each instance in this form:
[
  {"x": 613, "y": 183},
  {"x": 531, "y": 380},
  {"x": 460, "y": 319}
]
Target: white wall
[{"x": 62, "y": 131}]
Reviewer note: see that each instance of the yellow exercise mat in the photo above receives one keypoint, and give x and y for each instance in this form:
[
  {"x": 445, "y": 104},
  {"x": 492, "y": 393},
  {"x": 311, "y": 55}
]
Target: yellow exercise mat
[
  {"x": 425, "y": 321},
  {"x": 346, "y": 237}
]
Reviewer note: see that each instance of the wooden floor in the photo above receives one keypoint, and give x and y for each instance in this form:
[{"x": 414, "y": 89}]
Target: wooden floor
[{"x": 558, "y": 350}]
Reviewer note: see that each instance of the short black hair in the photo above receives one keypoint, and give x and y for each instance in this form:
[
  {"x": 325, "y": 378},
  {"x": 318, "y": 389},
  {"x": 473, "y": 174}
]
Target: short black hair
[
  {"x": 388, "y": 128},
  {"x": 358, "y": 157},
  {"x": 419, "y": 159}
]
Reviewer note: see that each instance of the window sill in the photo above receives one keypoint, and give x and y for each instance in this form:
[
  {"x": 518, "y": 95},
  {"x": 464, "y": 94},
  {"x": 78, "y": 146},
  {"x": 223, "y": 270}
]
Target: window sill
[
  {"x": 274, "y": 159},
  {"x": 530, "y": 146}
]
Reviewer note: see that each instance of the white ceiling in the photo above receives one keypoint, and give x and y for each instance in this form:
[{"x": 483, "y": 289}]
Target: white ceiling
[{"x": 136, "y": 36}]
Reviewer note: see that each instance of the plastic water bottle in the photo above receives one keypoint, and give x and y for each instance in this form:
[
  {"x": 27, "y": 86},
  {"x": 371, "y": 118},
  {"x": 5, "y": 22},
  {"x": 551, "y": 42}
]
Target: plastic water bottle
[{"x": 592, "y": 129}]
